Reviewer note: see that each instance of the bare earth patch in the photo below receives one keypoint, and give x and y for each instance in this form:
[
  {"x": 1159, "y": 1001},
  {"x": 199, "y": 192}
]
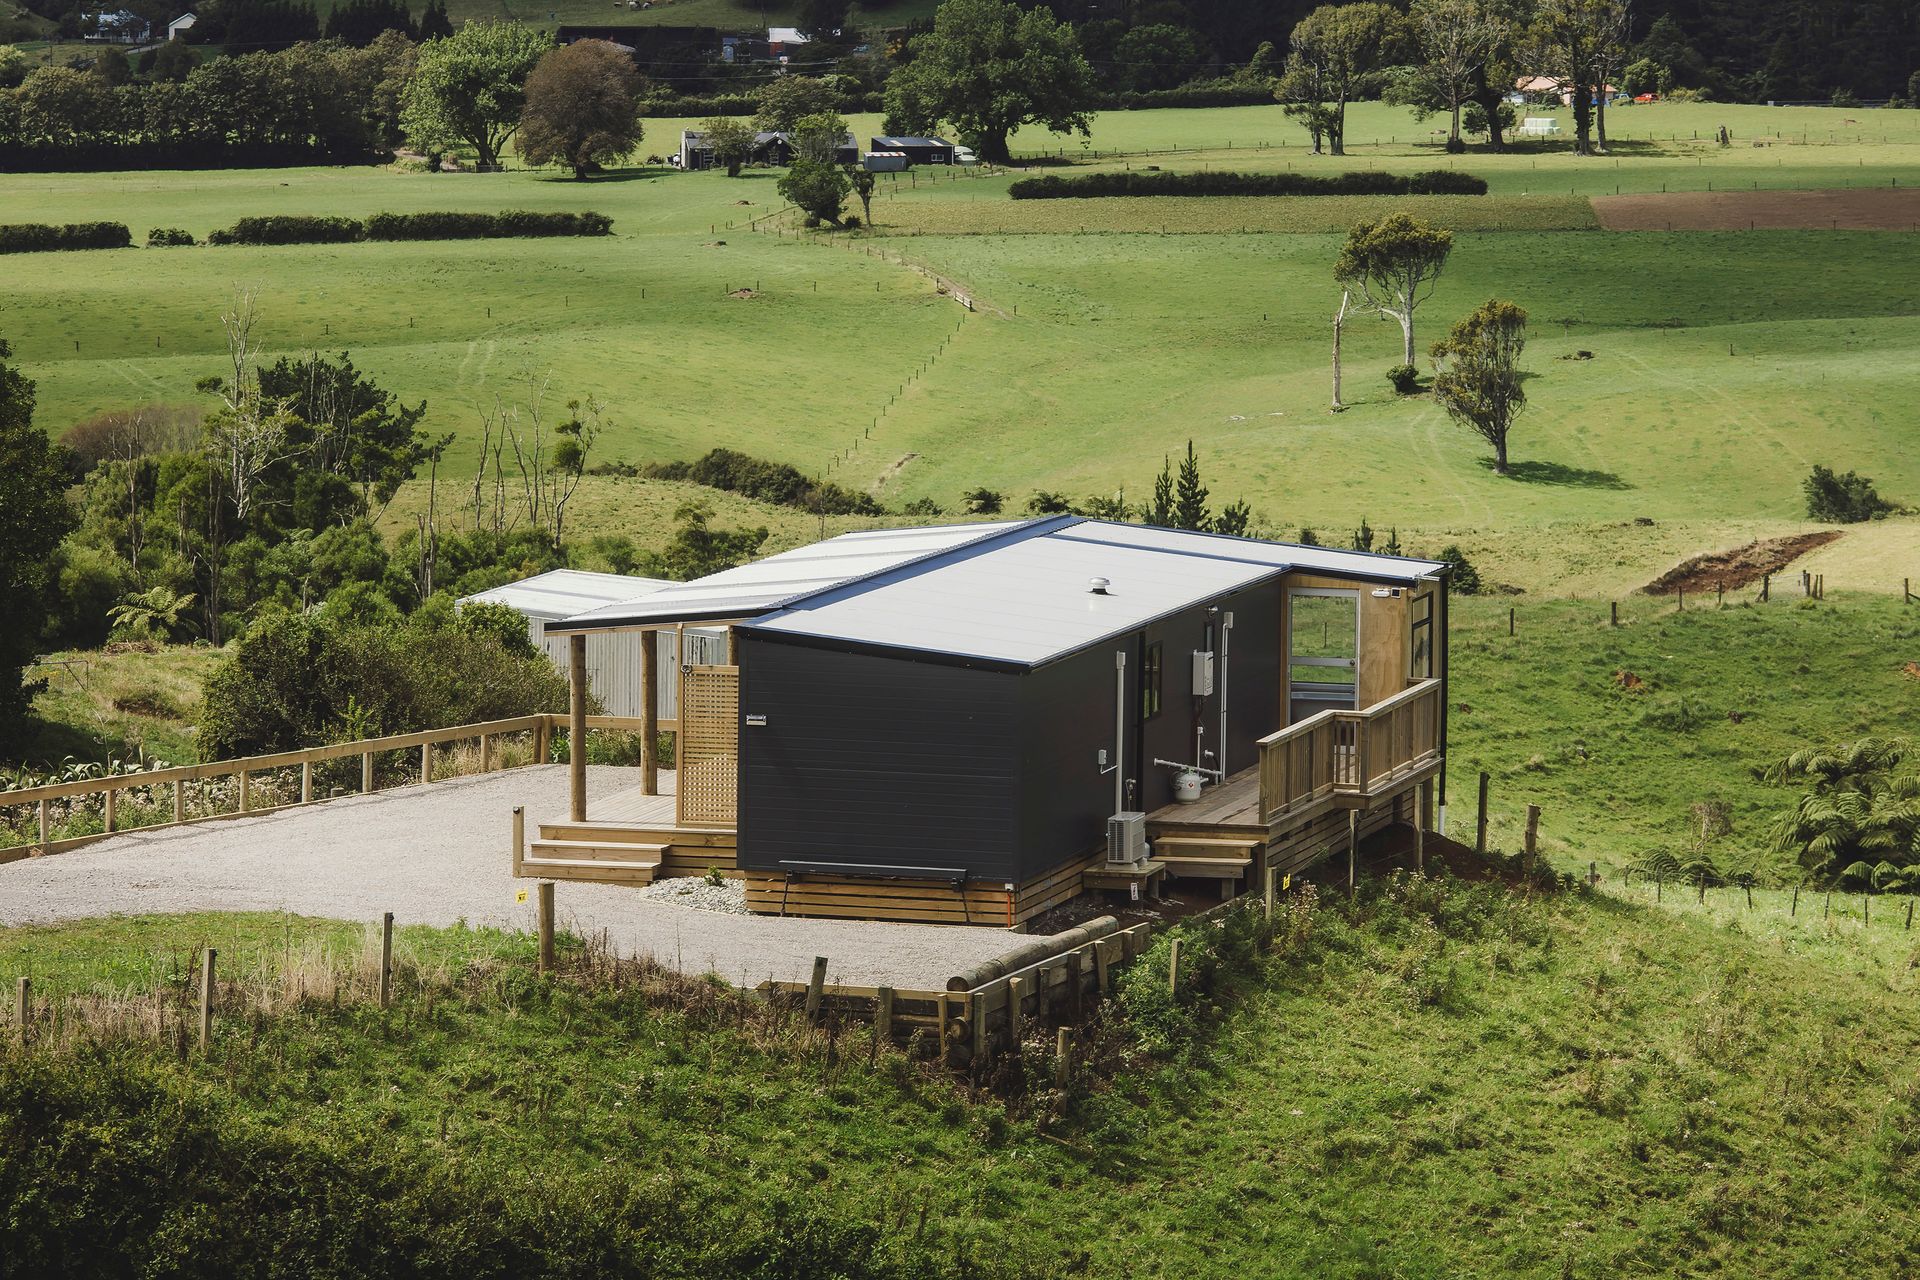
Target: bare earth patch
[
  {"x": 1866, "y": 209},
  {"x": 1738, "y": 567}
]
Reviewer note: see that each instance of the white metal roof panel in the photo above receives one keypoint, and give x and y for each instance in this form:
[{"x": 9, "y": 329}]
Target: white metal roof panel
[
  {"x": 559, "y": 593},
  {"x": 1020, "y": 601},
  {"x": 1330, "y": 560},
  {"x": 753, "y": 589}
]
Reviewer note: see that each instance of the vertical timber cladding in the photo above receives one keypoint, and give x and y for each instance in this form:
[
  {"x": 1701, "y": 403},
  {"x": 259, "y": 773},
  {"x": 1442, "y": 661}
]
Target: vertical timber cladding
[
  {"x": 877, "y": 761},
  {"x": 707, "y": 781},
  {"x": 1383, "y": 634}
]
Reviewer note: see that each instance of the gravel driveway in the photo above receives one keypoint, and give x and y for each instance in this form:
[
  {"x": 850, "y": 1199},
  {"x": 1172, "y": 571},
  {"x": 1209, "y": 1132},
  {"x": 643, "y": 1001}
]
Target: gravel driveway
[{"x": 440, "y": 854}]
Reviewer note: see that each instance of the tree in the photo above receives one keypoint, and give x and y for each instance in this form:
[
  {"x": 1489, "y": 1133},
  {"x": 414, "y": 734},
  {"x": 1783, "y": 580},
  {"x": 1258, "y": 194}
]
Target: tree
[
  {"x": 1455, "y": 37},
  {"x": 434, "y": 24},
  {"x": 1190, "y": 496},
  {"x": 1339, "y": 53},
  {"x": 818, "y": 137},
  {"x": 863, "y": 183},
  {"x": 983, "y": 501},
  {"x": 153, "y": 614},
  {"x": 787, "y": 98},
  {"x": 470, "y": 88},
  {"x": 1159, "y": 512},
  {"x": 1157, "y": 56},
  {"x": 1479, "y": 384},
  {"x": 730, "y": 140},
  {"x": 1861, "y": 813},
  {"x": 819, "y": 189},
  {"x": 1577, "y": 43},
  {"x": 360, "y": 22},
  {"x": 583, "y": 108},
  {"x": 34, "y": 517},
  {"x": 987, "y": 68},
  {"x": 1393, "y": 264},
  {"x": 173, "y": 61},
  {"x": 112, "y": 66},
  {"x": 821, "y": 17},
  {"x": 1843, "y": 499}
]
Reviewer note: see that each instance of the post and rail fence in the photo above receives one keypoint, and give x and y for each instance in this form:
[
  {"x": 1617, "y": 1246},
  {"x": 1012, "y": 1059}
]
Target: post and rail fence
[{"x": 40, "y": 800}]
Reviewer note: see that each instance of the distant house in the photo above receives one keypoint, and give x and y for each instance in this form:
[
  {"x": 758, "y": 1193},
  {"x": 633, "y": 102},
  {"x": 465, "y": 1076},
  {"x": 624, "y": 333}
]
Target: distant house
[
  {"x": 768, "y": 148},
  {"x": 1553, "y": 89},
  {"x": 613, "y": 658},
  {"x": 116, "y": 26},
  {"x": 782, "y": 41},
  {"x": 178, "y": 28},
  {"x": 917, "y": 150}
]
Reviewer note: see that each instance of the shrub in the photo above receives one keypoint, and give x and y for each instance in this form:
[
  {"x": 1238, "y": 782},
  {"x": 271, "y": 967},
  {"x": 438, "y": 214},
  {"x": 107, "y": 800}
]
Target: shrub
[
  {"x": 513, "y": 224},
  {"x": 289, "y": 228},
  {"x": 1405, "y": 378},
  {"x": 44, "y": 237},
  {"x": 169, "y": 238},
  {"x": 1843, "y": 499},
  {"x": 775, "y": 482},
  {"x": 983, "y": 501},
  {"x": 1437, "y": 182},
  {"x": 1465, "y": 579}
]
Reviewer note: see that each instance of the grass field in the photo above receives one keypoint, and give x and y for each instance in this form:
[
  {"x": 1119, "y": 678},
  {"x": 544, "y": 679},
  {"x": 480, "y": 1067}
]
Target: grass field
[
  {"x": 1092, "y": 355},
  {"x": 1661, "y": 1091}
]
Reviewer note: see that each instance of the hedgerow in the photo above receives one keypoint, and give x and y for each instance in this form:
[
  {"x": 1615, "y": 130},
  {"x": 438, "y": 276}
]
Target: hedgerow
[
  {"x": 510, "y": 224},
  {"x": 41, "y": 237},
  {"x": 1434, "y": 182}
]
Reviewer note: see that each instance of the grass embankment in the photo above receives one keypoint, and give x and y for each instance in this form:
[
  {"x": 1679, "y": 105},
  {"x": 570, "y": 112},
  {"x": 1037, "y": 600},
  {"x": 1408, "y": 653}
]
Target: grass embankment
[
  {"x": 1440, "y": 1080},
  {"x": 120, "y": 705},
  {"x": 1619, "y": 771}
]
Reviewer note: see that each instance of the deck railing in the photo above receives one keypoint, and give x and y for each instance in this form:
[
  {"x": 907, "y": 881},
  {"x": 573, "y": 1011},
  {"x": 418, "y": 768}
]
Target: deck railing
[
  {"x": 238, "y": 791},
  {"x": 1349, "y": 753}
]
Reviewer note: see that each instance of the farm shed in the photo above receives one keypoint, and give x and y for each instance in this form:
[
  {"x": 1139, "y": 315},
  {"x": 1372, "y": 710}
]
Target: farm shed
[
  {"x": 916, "y": 150},
  {"x": 613, "y": 662},
  {"x": 974, "y": 723}
]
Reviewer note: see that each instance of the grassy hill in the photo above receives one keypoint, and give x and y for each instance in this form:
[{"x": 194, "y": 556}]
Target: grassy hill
[
  {"x": 1436, "y": 1081},
  {"x": 1094, "y": 353}
]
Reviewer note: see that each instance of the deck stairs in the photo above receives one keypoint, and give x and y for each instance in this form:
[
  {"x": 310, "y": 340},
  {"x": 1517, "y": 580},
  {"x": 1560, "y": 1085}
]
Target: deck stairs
[{"x": 589, "y": 851}]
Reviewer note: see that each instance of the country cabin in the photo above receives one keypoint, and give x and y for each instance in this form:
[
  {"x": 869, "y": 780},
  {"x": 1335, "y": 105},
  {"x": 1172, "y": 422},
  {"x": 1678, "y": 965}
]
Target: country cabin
[{"x": 975, "y": 723}]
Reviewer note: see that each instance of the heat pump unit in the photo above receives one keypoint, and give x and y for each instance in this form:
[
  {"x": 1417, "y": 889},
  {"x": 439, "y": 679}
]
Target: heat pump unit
[
  {"x": 1203, "y": 673},
  {"x": 1127, "y": 839}
]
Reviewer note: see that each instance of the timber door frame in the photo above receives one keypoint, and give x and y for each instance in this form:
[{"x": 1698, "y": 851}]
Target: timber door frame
[{"x": 1322, "y": 691}]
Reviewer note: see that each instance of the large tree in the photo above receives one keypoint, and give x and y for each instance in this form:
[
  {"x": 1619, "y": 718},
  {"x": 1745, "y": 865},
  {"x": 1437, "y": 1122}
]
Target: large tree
[
  {"x": 788, "y": 98},
  {"x": 583, "y": 107},
  {"x": 730, "y": 140},
  {"x": 1340, "y": 52},
  {"x": 987, "y": 68},
  {"x": 1455, "y": 39},
  {"x": 34, "y": 516},
  {"x": 1393, "y": 264},
  {"x": 471, "y": 88},
  {"x": 1479, "y": 384},
  {"x": 1578, "y": 43}
]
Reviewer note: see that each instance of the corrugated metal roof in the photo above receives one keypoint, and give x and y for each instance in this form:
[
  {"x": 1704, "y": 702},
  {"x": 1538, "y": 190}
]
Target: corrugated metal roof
[
  {"x": 561, "y": 593},
  {"x": 1011, "y": 592},
  {"x": 754, "y": 589}
]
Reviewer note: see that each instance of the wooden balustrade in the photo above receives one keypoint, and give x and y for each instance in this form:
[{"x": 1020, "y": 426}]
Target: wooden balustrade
[
  {"x": 245, "y": 772},
  {"x": 1352, "y": 753}
]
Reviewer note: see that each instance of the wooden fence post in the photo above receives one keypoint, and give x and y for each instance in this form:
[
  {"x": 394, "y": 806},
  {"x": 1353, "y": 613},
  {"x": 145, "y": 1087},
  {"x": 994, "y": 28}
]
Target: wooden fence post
[
  {"x": 1016, "y": 994},
  {"x": 426, "y": 763},
  {"x": 1616, "y": 614},
  {"x": 1353, "y": 852},
  {"x": 1532, "y": 845},
  {"x": 1272, "y": 873},
  {"x": 816, "y": 988},
  {"x": 43, "y": 827},
  {"x": 486, "y": 753},
  {"x": 546, "y": 926},
  {"x": 519, "y": 837},
  {"x": 246, "y": 791},
  {"x": 1480, "y": 827},
  {"x": 1794, "y": 910},
  {"x": 1513, "y": 616},
  {"x": 977, "y": 1024},
  {"x": 306, "y": 782},
  {"x": 1062, "y": 1058},
  {"x": 1173, "y": 968},
  {"x": 180, "y": 800},
  {"x": 883, "y": 1015},
  {"x": 112, "y": 805},
  {"x": 206, "y": 997},
  {"x": 1766, "y": 587},
  {"x": 1100, "y": 965},
  {"x": 366, "y": 773},
  {"x": 23, "y": 1011},
  {"x": 386, "y": 959}
]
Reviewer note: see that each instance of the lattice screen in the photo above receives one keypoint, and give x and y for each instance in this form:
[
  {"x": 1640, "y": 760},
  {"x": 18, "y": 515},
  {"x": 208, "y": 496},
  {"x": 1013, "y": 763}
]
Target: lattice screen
[{"x": 708, "y": 782}]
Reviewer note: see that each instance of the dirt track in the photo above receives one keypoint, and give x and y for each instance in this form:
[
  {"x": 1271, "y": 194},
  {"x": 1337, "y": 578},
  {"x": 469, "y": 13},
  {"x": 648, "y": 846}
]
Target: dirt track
[
  {"x": 1740, "y": 566},
  {"x": 1865, "y": 209}
]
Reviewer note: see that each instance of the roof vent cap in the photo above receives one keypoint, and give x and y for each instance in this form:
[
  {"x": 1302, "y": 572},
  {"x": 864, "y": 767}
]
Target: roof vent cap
[{"x": 1098, "y": 586}]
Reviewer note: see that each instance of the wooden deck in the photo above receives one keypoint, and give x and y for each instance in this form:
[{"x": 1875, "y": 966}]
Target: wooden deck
[{"x": 628, "y": 838}]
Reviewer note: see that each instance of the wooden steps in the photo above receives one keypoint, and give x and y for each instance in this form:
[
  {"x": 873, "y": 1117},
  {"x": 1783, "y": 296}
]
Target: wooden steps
[{"x": 593, "y": 860}]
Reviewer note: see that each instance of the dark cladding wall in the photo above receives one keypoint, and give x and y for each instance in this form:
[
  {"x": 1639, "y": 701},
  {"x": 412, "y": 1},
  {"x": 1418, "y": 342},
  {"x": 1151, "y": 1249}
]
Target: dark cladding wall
[
  {"x": 1253, "y": 690},
  {"x": 876, "y": 761},
  {"x": 1068, "y": 713}
]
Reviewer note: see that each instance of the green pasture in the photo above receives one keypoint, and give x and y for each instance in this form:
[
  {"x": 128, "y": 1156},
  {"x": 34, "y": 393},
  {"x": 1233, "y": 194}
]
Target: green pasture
[{"x": 1722, "y": 365}]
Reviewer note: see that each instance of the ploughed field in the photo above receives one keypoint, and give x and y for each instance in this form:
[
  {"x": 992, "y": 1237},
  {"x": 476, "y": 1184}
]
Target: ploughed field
[{"x": 1688, "y": 378}]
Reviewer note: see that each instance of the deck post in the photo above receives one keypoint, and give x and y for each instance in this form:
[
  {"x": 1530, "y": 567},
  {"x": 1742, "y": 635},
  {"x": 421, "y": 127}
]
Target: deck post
[
  {"x": 649, "y": 713},
  {"x": 577, "y": 727}
]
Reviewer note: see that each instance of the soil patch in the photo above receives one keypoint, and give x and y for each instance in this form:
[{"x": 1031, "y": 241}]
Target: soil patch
[
  {"x": 1740, "y": 566},
  {"x": 1865, "y": 209}
]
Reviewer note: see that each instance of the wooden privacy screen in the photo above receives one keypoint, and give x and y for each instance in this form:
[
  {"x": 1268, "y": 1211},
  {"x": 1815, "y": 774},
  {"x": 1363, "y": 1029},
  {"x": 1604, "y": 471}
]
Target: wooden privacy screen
[{"x": 708, "y": 777}]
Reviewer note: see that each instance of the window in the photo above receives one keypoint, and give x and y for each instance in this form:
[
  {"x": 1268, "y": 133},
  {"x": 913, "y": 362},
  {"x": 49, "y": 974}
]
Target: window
[
  {"x": 1150, "y": 668},
  {"x": 1420, "y": 638}
]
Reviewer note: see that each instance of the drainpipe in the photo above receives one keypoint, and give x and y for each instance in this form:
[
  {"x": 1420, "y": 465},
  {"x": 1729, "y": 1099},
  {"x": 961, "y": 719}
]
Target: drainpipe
[
  {"x": 1220, "y": 690},
  {"x": 1119, "y": 730}
]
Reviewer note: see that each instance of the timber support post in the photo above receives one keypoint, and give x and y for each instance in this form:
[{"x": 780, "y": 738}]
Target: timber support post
[
  {"x": 545, "y": 896},
  {"x": 816, "y": 988},
  {"x": 649, "y": 713},
  {"x": 519, "y": 837},
  {"x": 577, "y": 727}
]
